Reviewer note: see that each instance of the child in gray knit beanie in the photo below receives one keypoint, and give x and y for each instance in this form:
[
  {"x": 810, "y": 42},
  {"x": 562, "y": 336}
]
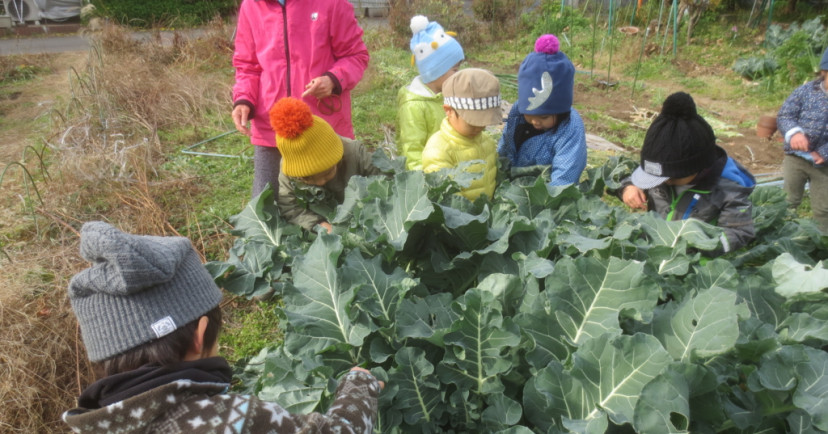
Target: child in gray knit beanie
[{"x": 149, "y": 316}]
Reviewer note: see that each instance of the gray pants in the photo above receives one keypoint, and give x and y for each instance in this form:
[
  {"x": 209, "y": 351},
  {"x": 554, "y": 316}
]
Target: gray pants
[
  {"x": 267, "y": 162},
  {"x": 797, "y": 171}
]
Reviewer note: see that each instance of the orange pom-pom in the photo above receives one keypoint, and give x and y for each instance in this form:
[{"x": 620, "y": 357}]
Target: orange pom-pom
[{"x": 290, "y": 117}]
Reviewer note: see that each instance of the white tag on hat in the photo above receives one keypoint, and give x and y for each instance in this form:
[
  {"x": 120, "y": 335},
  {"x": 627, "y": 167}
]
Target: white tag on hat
[
  {"x": 652, "y": 168},
  {"x": 163, "y": 326}
]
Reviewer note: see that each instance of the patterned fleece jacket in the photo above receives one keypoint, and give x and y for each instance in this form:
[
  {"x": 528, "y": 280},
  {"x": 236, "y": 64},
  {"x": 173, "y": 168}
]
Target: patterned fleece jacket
[
  {"x": 419, "y": 114},
  {"x": 184, "y": 405},
  {"x": 448, "y": 149},
  {"x": 563, "y": 148},
  {"x": 806, "y": 111}
]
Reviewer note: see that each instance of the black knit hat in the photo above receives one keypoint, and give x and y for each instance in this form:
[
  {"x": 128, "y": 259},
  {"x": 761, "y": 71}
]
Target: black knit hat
[{"x": 679, "y": 143}]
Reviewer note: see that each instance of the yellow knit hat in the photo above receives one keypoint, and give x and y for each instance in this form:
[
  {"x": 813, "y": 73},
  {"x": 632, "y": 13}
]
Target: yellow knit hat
[{"x": 308, "y": 144}]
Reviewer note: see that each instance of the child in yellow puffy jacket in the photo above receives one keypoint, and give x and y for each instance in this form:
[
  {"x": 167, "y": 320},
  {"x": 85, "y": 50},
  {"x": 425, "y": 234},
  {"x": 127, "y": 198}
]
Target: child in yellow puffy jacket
[{"x": 471, "y": 102}]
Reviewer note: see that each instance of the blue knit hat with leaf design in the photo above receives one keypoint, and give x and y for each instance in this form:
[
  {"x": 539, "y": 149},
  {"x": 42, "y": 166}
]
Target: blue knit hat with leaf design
[{"x": 546, "y": 79}]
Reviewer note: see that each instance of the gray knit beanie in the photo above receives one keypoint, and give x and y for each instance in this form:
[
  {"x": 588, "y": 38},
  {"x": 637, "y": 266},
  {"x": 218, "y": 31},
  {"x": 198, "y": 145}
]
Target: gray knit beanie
[{"x": 138, "y": 289}]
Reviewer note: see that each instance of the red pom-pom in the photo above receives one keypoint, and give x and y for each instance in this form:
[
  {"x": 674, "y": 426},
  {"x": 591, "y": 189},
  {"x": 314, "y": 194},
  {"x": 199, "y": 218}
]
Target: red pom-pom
[
  {"x": 547, "y": 44},
  {"x": 290, "y": 117}
]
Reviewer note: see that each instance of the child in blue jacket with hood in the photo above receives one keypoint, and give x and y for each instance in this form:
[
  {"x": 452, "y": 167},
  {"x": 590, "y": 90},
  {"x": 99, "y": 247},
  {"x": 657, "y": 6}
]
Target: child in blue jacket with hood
[
  {"x": 543, "y": 128},
  {"x": 803, "y": 120},
  {"x": 684, "y": 174}
]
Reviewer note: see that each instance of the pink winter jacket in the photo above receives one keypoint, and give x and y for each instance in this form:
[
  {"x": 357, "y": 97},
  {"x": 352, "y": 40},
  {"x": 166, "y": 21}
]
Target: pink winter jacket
[{"x": 279, "y": 49}]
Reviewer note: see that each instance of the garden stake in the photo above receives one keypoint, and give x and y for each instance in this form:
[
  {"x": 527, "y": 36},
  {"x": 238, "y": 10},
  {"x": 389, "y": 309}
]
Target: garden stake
[
  {"x": 609, "y": 26},
  {"x": 675, "y": 27},
  {"x": 594, "y": 29},
  {"x": 188, "y": 150},
  {"x": 641, "y": 52}
]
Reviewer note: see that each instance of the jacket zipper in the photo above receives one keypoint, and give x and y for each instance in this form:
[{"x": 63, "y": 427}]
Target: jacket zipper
[
  {"x": 287, "y": 45},
  {"x": 675, "y": 201}
]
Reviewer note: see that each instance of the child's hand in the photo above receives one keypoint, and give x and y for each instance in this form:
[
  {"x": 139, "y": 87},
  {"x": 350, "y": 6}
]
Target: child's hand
[
  {"x": 327, "y": 226},
  {"x": 799, "y": 142},
  {"x": 634, "y": 197},
  {"x": 357, "y": 368},
  {"x": 320, "y": 87},
  {"x": 817, "y": 158},
  {"x": 241, "y": 114}
]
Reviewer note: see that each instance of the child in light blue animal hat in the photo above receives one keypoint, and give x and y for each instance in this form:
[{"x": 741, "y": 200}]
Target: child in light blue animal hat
[
  {"x": 543, "y": 129},
  {"x": 435, "y": 50},
  {"x": 420, "y": 103}
]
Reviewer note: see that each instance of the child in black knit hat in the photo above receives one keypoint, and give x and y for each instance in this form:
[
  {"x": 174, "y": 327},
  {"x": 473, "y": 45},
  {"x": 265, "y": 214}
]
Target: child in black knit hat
[{"x": 684, "y": 174}]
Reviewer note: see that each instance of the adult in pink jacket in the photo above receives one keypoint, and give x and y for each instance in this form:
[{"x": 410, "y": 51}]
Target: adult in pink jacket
[{"x": 310, "y": 49}]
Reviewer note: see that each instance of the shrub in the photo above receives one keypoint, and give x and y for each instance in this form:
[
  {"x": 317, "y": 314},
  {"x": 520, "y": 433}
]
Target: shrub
[
  {"x": 148, "y": 13},
  {"x": 470, "y": 33},
  {"x": 798, "y": 47}
]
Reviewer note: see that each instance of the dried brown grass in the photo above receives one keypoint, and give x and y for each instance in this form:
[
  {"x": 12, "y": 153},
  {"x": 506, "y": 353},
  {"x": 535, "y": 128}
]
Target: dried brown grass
[
  {"x": 106, "y": 158},
  {"x": 42, "y": 366}
]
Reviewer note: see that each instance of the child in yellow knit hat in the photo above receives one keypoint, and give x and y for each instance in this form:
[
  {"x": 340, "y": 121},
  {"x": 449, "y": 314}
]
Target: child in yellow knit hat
[{"x": 313, "y": 154}]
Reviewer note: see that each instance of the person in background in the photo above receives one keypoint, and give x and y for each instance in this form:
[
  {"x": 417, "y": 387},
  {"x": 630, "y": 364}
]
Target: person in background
[
  {"x": 684, "y": 174},
  {"x": 149, "y": 317},
  {"x": 471, "y": 103},
  {"x": 420, "y": 103},
  {"x": 803, "y": 120},
  {"x": 308, "y": 49},
  {"x": 543, "y": 128},
  {"x": 313, "y": 154}
]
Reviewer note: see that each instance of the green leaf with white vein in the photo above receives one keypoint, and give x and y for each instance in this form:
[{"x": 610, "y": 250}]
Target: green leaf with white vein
[
  {"x": 378, "y": 293},
  {"x": 664, "y": 406},
  {"x": 318, "y": 306},
  {"x": 295, "y": 389},
  {"x": 702, "y": 326},
  {"x": 795, "y": 278},
  {"x": 476, "y": 346},
  {"x": 260, "y": 222},
  {"x": 606, "y": 379},
  {"x": 618, "y": 368},
  {"x": 418, "y": 397},
  {"x": 408, "y": 204},
  {"x": 587, "y": 295},
  {"x": 811, "y": 393},
  {"x": 668, "y": 233}
]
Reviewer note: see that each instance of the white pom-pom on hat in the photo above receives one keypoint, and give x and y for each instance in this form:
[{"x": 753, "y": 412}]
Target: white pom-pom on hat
[{"x": 418, "y": 23}]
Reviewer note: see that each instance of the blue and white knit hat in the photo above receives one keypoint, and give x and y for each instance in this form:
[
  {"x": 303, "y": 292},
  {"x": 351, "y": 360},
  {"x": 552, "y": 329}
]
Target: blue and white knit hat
[
  {"x": 823, "y": 64},
  {"x": 435, "y": 52},
  {"x": 137, "y": 289},
  {"x": 546, "y": 79}
]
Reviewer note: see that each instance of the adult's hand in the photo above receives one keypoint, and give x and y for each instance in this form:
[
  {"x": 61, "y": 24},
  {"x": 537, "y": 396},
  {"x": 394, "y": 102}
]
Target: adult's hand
[
  {"x": 799, "y": 142},
  {"x": 320, "y": 87},
  {"x": 241, "y": 114},
  {"x": 634, "y": 197},
  {"x": 817, "y": 158},
  {"x": 357, "y": 368}
]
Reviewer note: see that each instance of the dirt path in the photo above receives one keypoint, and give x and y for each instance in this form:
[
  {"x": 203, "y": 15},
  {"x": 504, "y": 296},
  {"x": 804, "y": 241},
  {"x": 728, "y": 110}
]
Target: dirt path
[{"x": 25, "y": 110}]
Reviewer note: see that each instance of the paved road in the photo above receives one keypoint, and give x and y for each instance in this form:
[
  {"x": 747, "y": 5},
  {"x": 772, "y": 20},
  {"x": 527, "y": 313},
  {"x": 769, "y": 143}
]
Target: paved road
[
  {"x": 48, "y": 44},
  {"x": 64, "y": 43},
  {"x": 61, "y": 44}
]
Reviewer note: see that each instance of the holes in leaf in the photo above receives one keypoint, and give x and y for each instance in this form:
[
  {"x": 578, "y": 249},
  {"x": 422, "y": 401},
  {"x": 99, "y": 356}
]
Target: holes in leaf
[{"x": 694, "y": 322}]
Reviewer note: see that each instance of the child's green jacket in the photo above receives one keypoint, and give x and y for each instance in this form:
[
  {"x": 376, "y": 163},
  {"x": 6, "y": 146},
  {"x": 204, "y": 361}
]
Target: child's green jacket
[{"x": 419, "y": 113}]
